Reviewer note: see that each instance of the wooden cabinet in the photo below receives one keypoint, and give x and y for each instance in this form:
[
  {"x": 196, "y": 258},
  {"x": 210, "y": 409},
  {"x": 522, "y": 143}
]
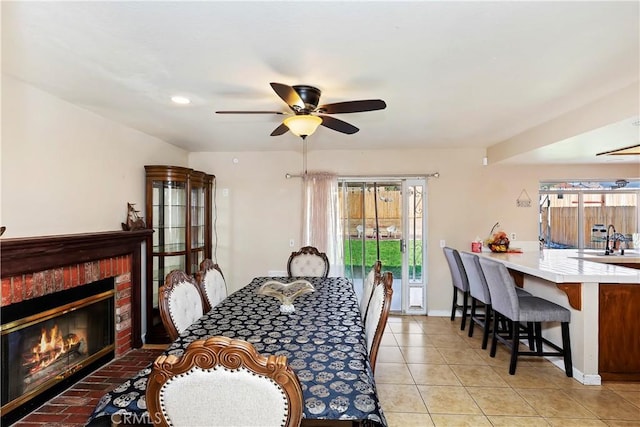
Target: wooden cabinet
[
  {"x": 178, "y": 208},
  {"x": 619, "y": 332}
]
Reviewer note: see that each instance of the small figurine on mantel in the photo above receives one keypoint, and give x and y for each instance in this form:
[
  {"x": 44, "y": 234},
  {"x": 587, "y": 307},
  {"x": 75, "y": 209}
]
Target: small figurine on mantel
[{"x": 134, "y": 221}]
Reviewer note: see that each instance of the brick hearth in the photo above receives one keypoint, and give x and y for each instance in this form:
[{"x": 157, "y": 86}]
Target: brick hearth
[{"x": 73, "y": 407}]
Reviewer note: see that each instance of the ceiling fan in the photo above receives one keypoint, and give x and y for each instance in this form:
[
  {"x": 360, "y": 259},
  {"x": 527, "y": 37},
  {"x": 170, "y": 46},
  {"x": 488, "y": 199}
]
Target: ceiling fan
[{"x": 308, "y": 115}]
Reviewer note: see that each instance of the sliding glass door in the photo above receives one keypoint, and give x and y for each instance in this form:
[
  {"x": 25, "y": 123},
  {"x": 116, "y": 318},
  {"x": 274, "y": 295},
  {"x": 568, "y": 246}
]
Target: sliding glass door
[{"x": 383, "y": 219}]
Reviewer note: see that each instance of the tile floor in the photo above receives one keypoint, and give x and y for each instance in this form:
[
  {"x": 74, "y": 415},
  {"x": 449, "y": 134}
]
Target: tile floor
[{"x": 429, "y": 373}]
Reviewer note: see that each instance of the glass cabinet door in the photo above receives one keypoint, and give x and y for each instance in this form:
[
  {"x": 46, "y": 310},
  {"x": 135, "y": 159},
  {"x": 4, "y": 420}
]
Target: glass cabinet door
[
  {"x": 198, "y": 224},
  {"x": 169, "y": 231}
]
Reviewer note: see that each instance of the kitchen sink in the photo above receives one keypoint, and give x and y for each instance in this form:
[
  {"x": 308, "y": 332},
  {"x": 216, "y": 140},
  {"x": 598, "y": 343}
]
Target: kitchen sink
[{"x": 597, "y": 255}]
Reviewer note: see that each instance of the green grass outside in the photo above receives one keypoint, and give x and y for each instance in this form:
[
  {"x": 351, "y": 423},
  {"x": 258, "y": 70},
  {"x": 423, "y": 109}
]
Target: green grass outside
[{"x": 390, "y": 255}]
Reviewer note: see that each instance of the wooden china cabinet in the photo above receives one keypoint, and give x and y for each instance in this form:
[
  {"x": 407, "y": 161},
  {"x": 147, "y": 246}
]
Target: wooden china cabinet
[{"x": 178, "y": 208}]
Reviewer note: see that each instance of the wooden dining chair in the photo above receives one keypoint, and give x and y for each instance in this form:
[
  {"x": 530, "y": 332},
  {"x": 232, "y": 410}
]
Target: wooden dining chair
[
  {"x": 367, "y": 288},
  {"x": 308, "y": 262},
  {"x": 377, "y": 314},
  {"x": 180, "y": 302},
  {"x": 212, "y": 284},
  {"x": 223, "y": 382}
]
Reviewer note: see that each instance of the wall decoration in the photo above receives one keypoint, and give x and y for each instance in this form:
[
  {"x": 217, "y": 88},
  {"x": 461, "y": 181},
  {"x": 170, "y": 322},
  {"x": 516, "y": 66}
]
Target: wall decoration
[{"x": 523, "y": 201}]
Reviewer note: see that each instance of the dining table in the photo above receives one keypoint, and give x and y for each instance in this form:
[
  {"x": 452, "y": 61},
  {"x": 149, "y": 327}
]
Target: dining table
[{"x": 323, "y": 339}]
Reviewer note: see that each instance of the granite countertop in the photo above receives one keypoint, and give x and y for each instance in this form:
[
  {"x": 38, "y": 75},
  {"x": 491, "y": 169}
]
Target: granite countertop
[{"x": 571, "y": 265}]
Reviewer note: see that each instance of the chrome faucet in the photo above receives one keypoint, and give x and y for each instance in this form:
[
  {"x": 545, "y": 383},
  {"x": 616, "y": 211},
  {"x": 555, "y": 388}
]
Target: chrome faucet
[
  {"x": 607, "y": 249},
  {"x": 619, "y": 237}
]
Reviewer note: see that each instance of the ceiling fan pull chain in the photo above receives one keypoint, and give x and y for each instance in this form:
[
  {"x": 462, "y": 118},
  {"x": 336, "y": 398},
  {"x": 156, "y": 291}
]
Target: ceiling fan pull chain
[{"x": 304, "y": 154}]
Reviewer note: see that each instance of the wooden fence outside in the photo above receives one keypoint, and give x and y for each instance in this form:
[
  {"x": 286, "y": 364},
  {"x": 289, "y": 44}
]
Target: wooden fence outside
[
  {"x": 389, "y": 212},
  {"x": 564, "y": 220}
]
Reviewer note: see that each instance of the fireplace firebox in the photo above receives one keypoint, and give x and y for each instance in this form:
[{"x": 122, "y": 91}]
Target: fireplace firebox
[{"x": 47, "y": 340}]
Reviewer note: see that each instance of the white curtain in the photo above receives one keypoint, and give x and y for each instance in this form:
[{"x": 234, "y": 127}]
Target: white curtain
[{"x": 321, "y": 225}]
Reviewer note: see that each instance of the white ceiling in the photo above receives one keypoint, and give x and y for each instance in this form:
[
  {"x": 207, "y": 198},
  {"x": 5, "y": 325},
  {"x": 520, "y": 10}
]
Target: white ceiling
[{"x": 453, "y": 74}]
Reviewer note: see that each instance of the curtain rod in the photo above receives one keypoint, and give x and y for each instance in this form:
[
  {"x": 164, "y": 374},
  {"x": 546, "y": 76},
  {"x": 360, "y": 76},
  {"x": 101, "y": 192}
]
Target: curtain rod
[{"x": 360, "y": 177}]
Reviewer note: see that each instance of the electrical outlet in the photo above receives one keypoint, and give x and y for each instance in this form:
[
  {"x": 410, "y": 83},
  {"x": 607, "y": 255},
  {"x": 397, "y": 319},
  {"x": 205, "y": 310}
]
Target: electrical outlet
[
  {"x": 225, "y": 192},
  {"x": 291, "y": 243},
  {"x": 443, "y": 243},
  {"x": 513, "y": 236}
]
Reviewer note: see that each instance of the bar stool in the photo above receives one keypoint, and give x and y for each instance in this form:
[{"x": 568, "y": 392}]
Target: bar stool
[
  {"x": 506, "y": 303},
  {"x": 460, "y": 284},
  {"x": 479, "y": 291}
]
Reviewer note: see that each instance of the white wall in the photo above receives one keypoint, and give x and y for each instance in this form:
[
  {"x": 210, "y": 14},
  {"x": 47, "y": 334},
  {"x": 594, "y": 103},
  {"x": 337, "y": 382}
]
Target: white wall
[
  {"x": 66, "y": 170},
  {"x": 262, "y": 210}
]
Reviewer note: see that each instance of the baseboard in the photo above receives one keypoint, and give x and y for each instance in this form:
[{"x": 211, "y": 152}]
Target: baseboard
[{"x": 439, "y": 313}]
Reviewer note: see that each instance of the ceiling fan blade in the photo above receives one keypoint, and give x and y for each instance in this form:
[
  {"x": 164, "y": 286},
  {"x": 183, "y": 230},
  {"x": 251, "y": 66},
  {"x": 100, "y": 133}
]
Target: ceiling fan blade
[
  {"x": 288, "y": 95},
  {"x": 338, "y": 125},
  {"x": 249, "y": 112},
  {"x": 280, "y": 130},
  {"x": 352, "y": 106}
]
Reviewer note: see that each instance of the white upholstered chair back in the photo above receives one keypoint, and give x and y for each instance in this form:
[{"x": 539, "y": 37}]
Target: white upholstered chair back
[
  {"x": 223, "y": 382},
  {"x": 212, "y": 284},
  {"x": 308, "y": 262},
  {"x": 367, "y": 288},
  {"x": 377, "y": 314},
  {"x": 180, "y": 302}
]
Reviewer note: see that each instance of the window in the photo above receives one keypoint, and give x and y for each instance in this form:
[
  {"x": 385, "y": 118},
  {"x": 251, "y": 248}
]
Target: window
[{"x": 576, "y": 215}]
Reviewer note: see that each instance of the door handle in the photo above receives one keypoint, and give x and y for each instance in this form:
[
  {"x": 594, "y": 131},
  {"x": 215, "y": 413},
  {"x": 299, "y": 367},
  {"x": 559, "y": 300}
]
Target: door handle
[{"x": 403, "y": 246}]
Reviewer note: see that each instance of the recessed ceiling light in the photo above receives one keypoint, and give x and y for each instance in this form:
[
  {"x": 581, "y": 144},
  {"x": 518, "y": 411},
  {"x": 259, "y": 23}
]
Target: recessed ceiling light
[{"x": 182, "y": 100}]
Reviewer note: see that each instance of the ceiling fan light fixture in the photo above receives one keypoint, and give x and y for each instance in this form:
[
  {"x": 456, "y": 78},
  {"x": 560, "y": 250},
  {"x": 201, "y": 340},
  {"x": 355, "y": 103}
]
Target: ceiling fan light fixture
[{"x": 302, "y": 125}]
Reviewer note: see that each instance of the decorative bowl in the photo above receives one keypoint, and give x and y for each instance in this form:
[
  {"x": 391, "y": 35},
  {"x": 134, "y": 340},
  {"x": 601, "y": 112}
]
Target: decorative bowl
[{"x": 286, "y": 293}]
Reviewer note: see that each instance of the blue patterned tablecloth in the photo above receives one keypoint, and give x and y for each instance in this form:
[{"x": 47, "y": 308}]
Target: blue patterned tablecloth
[{"x": 323, "y": 340}]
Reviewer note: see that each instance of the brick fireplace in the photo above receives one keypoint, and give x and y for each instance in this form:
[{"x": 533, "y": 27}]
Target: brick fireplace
[{"x": 35, "y": 268}]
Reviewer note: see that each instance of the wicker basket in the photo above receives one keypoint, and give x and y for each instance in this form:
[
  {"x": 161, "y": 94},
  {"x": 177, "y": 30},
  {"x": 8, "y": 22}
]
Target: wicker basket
[{"x": 499, "y": 246}]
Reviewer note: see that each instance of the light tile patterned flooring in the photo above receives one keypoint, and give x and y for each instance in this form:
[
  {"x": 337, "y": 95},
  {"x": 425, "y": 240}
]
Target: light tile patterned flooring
[{"x": 430, "y": 373}]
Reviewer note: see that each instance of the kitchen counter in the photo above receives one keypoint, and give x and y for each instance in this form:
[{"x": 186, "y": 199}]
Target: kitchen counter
[
  {"x": 571, "y": 265},
  {"x": 604, "y": 300}
]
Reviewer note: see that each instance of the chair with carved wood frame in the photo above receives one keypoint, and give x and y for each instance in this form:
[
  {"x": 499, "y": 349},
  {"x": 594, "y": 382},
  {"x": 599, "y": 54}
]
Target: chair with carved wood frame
[
  {"x": 212, "y": 283},
  {"x": 308, "y": 262},
  {"x": 377, "y": 314},
  {"x": 367, "y": 288},
  {"x": 221, "y": 381},
  {"x": 180, "y": 302}
]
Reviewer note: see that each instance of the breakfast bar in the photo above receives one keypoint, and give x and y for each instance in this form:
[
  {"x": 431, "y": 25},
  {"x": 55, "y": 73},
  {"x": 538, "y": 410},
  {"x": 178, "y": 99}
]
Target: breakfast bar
[{"x": 604, "y": 300}]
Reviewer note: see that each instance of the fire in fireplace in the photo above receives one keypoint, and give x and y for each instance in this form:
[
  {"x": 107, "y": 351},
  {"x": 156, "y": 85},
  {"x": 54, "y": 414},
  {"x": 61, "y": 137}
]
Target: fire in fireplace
[
  {"x": 53, "y": 352},
  {"x": 56, "y": 337}
]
